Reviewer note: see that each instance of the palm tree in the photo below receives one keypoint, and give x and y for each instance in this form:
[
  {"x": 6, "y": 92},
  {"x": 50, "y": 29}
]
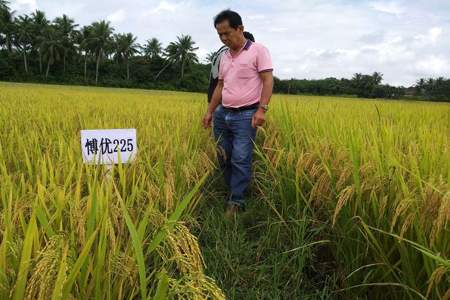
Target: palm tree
[
  {"x": 83, "y": 39},
  {"x": 23, "y": 38},
  {"x": 100, "y": 41},
  {"x": 180, "y": 53},
  {"x": 66, "y": 28},
  {"x": 40, "y": 22},
  {"x": 51, "y": 46},
  {"x": 377, "y": 78},
  {"x": 4, "y": 4},
  {"x": 6, "y": 25},
  {"x": 420, "y": 86},
  {"x": 152, "y": 49},
  {"x": 210, "y": 56},
  {"x": 126, "y": 48}
]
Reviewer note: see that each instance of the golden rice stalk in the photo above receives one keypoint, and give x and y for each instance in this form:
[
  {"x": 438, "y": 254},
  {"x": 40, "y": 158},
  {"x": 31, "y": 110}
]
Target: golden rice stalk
[
  {"x": 345, "y": 175},
  {"x": 407, "y": 223},
  {"x": 435, "y": 278},
  {"x": 195, "y": 287},
  {"x": 346, "y": 194},
  {"x": 42, "y": 280},
  {"x": 383, "y": 206},
  {"x": 401, "y": 208},
  {"x": 183, "y": 250},
  {"x": 430, "y": 206},
  {"x": 442, "y": 219}
]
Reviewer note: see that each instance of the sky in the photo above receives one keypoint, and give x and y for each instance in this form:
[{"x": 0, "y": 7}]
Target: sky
[{"x": 312, "y": 39}]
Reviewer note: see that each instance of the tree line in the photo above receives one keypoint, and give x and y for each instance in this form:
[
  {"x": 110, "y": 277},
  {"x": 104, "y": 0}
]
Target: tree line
[
  {"x": 367, "y": 86},
  {"x": 36, "y": 49},
  {"x": 364, "y": 86}
]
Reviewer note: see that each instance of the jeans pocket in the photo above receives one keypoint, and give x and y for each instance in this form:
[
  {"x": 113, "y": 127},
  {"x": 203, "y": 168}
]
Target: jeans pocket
[
  {"x": 248, "y": 114},
  {"x": 217, "y": 111}
]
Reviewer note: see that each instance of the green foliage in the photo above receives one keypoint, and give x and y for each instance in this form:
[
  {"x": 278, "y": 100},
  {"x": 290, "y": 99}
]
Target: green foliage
[
  {"x": 433, "y": 89},
  {"x": 363, "y": 86}
]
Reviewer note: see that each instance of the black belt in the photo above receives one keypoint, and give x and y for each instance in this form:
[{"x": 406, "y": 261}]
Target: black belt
[{"x": 251, "y": 106}]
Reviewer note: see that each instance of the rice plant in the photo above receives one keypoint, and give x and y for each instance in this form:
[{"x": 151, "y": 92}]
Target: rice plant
[{"x": 350, "y": 199}]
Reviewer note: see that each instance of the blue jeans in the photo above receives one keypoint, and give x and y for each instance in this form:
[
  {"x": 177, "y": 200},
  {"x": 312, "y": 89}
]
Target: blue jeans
[{"x": 235, "y": 135}]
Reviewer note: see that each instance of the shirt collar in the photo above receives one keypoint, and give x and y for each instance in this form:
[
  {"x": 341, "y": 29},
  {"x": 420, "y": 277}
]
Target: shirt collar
[{"x": 247, "y": 45}]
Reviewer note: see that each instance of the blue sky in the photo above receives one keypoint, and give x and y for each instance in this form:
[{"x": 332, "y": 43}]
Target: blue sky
[{"x": 404, "y": 40}]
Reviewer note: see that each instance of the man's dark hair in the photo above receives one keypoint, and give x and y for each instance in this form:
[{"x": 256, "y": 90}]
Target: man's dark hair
[
  {"x": 233, "y": 18},
  {"x": 249, "y": 36}
]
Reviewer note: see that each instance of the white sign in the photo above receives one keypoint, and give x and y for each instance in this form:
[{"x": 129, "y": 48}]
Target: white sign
[{"x": 105, "y": 146}]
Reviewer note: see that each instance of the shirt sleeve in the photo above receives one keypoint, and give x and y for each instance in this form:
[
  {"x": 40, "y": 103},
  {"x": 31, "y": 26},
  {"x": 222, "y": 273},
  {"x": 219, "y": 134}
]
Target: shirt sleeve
[{"x": 263, "y": 60}]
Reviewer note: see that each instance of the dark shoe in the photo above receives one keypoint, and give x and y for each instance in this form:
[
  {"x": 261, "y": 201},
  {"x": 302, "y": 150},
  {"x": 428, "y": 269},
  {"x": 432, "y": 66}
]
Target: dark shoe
[{"x": 232, "y": 210}]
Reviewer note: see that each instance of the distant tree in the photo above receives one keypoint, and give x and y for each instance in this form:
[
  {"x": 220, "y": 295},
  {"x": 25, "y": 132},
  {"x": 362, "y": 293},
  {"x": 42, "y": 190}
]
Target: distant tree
[
  {"x": 66, "y": 30},
  {"x": 6, "y": 25},
  {"x": 210, "y": 56},
  {"x": 365, "y": 85},
  {"x": 101, "y": 39},
  {"x": 181, "y": 53},
  {"x": 125, "y": 48},
  {"x": 86, "y": 45},
  {"x": 40, "y": 22},
  {"x": 420, "y": 87},
  {"x": 23, "y": 38},
  {"x": 152, "y": 49},
  {"x": 52, "y": 48}
]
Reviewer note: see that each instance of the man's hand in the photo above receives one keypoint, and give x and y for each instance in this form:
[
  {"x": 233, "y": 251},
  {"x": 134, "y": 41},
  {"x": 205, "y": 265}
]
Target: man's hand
[
  {"x": 259, "y": 118},
  {"x": 207, "y": 120}
]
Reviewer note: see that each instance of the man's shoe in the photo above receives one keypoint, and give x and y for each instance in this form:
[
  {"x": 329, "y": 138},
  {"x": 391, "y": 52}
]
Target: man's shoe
[{"x": 232, "y": 210}]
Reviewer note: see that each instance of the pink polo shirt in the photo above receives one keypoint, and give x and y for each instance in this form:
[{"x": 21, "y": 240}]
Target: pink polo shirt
[{"x": 240, "y": 74}]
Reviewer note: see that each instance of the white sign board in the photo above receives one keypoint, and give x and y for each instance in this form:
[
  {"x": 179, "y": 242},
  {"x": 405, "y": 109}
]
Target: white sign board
[{"x": 105, "y": 146}]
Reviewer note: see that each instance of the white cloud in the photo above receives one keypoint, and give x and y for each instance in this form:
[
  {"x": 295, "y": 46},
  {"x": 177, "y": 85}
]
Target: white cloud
[
  {"x": 117, "y": 17},
  {"x": 256, "y": 17},
  {"x": 278, "y": 29},
  {"x": 388, "y": 7},
  {"x": 433, "y": 66},
  {"x": 432, "y": 37},
  {"x": 163, "y": 7},
  {"x": 435, "y": 33},
  {"x": 24, "y": 5}
]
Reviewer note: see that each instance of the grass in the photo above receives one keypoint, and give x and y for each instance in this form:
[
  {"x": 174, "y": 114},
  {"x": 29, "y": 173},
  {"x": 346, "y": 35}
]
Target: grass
[{"x": 350, "y": 199}]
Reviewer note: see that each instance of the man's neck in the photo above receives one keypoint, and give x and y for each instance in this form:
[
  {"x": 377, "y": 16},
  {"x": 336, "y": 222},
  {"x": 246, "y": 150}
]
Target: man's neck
[{"x": 242, "y": 45}]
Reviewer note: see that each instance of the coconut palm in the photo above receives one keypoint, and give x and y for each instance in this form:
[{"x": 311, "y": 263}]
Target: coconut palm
[
  {"x": 51, "y": 46},
  {"x": 22, "y": 37},
  {"x": 181, "y": 53},
  {"x": 420, "y": 86},
  {"x": 6, "y": 25},
  {"x": 83, "y": 39},
  {"x": 4, "y": 4},
  {"x": 66, "y": 27},
  {"x": 126, "y": 48},
  {"x": 100, "y": 40},
  {"x": 152, "y": 49},
  {"x": 210, "y": 56},
  {"x": 40, "y": 22}
]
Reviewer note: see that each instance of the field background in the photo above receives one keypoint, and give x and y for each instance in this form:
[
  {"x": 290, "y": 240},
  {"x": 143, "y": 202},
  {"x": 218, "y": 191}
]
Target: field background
[{"x": 350, "y": 199}]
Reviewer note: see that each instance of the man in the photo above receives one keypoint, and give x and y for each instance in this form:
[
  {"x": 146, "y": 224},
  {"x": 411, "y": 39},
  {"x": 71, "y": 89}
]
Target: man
[
  {"x": 244, "y": 89},
  {"x": 215, "y": 65}
]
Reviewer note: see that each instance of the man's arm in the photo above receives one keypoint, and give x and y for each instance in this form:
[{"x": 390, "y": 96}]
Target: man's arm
[
  {"x": 216, "y": 98},
  {"x": 215, "y": 101},
  {"x": 267, "y": 79}
]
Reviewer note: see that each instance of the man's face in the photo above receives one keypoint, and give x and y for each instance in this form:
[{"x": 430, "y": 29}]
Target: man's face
[{"x": 228, "y": 35}]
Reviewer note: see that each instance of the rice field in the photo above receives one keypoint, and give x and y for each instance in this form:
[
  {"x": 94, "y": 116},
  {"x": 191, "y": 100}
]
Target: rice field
[{"x": 350, "y": 200}]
